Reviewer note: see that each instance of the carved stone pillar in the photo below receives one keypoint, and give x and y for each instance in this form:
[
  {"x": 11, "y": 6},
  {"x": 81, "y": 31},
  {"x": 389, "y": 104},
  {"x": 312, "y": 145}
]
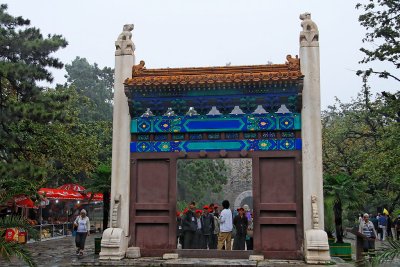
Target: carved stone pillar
[
  {"x": 115, "y": 239},
  {"x": 316, "y": 241}
]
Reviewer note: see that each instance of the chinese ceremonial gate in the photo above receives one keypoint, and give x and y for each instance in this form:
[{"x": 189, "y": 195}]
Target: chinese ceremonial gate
[
  {"x": 269, "y": 113},
  {"x": 218, "y": 112}
]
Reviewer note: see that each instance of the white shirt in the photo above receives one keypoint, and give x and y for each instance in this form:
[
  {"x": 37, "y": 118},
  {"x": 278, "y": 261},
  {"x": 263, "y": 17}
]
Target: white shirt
[
  {"x": 226, "y": 221},
  {"x": 83, "y": 224}
]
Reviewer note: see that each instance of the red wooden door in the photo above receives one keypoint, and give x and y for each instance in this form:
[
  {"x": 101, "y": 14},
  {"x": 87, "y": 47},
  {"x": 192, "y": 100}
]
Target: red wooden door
[
  {"x": 277, "y": 192},
  {"x": 153, "y": 200}
]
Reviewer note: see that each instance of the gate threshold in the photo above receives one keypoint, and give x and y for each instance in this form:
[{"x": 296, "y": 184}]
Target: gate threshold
[{"x": 213, "y": 253}]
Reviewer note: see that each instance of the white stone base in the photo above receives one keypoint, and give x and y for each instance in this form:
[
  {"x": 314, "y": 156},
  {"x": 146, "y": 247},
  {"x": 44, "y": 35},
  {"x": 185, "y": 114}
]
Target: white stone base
[
  {"x": 256, "y": 258},
  {"x": 316, "y": 247},
  {"x": 113, "y": 244},
  {"x": 170, "y": 256},
  {"x": 133, "y": 253}
]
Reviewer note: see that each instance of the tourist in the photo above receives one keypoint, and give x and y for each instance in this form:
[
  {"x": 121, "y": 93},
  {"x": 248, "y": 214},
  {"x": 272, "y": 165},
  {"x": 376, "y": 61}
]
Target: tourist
[
  {"x": 397, "y": 227},
  {"x": 208, "y": 227},
  {"x": 214, "y": 242},
  {"x": 179, "y": 232},
  {"x": 240, "y": 222},
  {"x": 189, "y": 226},
  {"x": 249, "y": 236},
  {"x": 82, "y": 225},
  {"x": 368, "y": 230},
  {"x": 225, "y": 234},
  {"x": 374, "y": 220},
  {"x": 198, "y": 240},
  {"x": 247, "y": 212},
  {"x": 382, "y": 224}
]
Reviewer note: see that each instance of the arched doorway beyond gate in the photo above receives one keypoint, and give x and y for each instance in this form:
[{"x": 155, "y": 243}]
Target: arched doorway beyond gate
[{"x": 239, "y": 199}]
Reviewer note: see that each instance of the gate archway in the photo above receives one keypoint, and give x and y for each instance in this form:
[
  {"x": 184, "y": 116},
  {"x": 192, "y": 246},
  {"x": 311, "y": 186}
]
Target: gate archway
[
  {"x": 217, "y": 112},
  {"x": 268, "y": 113}
]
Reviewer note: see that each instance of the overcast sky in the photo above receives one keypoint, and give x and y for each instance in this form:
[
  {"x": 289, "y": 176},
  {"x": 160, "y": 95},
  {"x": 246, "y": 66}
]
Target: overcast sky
[{"x": 184, "y": 33}]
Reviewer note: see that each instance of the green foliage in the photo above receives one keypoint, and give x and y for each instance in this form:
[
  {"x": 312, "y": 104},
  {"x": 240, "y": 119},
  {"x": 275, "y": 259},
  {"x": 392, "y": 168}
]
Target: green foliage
[
  {"x": 361, "y": 151},
  {"x": 25, "y": 59},
  {"x": 329, "y": 220},
  {"x": 381, "y": 20},
  {"x": 389, "y": 251},
  {"x": 197, "y": 179},
  {"x": 11, "y": 249},
  {"x": 94, "y": 83}
]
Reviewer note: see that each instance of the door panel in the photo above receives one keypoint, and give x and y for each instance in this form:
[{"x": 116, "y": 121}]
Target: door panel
[
  {"x": 278, "y": 207},
  {"x": 152, "y": 203}
]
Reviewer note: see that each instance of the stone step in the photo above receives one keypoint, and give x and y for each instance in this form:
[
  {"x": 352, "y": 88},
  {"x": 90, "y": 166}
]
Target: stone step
[{"x": 213, "y": 253}]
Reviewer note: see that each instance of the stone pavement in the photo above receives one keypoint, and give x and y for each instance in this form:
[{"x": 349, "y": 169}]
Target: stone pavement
[{"x": 61, "y": 252}]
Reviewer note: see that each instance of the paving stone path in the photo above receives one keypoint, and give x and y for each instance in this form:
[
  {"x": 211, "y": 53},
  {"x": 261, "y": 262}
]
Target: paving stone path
[
  {"x": 56, "y": 252},
  {"x": 61, "y": 252}
]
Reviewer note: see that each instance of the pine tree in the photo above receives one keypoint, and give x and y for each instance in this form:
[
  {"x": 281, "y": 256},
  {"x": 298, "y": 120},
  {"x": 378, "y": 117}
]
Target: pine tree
[{"x": 25, "y": 60}]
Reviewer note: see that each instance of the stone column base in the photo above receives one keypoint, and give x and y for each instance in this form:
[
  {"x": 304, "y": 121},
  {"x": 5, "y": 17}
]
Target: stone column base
[
  {"x": 170, "y": 256},
  {"x": 316, "y": 247},
  {"x": 133, "y": 253},
  {"x": 113, "y": 244}
]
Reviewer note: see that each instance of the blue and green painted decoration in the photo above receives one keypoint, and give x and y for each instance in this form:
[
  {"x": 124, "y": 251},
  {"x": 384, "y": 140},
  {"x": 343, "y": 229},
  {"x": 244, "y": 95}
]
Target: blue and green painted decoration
[
  {"x": 217, "y": 145},
  {"x": 218, "y": 123}
]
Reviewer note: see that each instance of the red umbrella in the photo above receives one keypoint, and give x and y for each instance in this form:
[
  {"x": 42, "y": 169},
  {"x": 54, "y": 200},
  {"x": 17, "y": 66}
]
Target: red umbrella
[
  {"x": 96, "y": 196},
  {"x": 60, "y": 193},
  {"x": 73, "y": 187},
  {"x": 24, "y": 201}
]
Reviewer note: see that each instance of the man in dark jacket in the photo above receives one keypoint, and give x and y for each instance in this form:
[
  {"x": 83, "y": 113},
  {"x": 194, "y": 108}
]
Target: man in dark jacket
[
  {"x": 198, "y": 240},
  {"x": 240, "y": 222},
  {"x": 208, "y": 228},
  {"x": 189, "y": 226}
]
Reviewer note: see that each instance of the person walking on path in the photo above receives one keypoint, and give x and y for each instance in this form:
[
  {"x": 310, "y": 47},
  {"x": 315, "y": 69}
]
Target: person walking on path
[
  {"x": 382, "y": 224},
  {"x": 226, "y": 226},
  {"x": 82, "y": 225},
  {"x": 367, "y": 228},
  {"x": 240, "y": 222},
  {"x": 189, "y": 226}
]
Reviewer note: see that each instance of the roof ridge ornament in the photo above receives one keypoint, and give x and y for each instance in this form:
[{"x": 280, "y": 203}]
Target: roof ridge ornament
[
  {"x": 293, "y": 63},
  {"x": 124, "y": 44},
  {"x": 138, "y": 69},
  {"x": 309, "y": 36}
]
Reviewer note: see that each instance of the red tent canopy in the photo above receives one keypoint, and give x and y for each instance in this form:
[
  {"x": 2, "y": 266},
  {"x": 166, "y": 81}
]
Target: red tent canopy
[
  {"x": 61, "y": 194},
  {"x": 73, "y": 187},
  {"x": 24, "y": 202},
  {"x": 96, "y": 196},
  {"x": 56, "y": 193}
]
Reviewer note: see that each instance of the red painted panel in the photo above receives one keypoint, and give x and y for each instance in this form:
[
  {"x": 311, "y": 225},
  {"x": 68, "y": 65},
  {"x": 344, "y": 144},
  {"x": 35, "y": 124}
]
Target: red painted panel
[
  {"x": 279, "y": 238},
  {"x": 277, "y": 180},
  {"x": 154, "y": 236},
  {"x": 152, "y": 181}
]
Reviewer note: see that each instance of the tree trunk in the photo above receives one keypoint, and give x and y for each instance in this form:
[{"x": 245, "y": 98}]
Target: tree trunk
[
  {"x": 106, "y": 209},
  {"x": 337, "y": 208}
]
